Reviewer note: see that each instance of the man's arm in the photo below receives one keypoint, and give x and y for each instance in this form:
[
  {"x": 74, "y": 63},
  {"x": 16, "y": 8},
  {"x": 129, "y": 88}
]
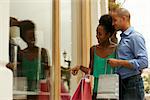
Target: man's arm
[
  {"x": 117, "y": 62},
  {"x": 140, "y": 60}
]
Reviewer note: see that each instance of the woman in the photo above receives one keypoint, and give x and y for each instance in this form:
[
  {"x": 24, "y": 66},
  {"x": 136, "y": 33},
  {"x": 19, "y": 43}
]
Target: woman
[
  {"x": 32, "y": 61},
  {"x": 99, "y": 53}
]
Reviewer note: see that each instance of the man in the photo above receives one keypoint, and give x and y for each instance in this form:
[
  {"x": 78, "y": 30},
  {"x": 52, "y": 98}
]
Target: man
[{"x": 132, "y": 57}]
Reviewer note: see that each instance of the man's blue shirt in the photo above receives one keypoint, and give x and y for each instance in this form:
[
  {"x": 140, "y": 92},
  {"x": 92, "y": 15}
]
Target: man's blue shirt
[{"x": 132, "y": 48}]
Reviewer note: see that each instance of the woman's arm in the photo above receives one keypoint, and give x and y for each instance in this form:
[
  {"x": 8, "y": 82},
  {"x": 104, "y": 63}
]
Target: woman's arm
[
  {"x": 44, "y": 59},
  {"x": 83, "y": 68},
  {"x": 91, "y": 59},
  {"x": 44, "y": 62}
]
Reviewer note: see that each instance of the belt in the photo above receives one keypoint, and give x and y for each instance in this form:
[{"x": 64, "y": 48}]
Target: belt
[{"x": 132, "y": 77}]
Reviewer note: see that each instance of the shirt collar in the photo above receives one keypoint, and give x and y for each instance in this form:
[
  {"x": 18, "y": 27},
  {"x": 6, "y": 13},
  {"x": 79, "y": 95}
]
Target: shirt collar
[{"x": 127, "y": 32}]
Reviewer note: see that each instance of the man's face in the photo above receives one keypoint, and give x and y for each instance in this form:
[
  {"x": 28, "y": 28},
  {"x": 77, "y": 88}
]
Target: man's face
[{"x": 117, "y": 21}]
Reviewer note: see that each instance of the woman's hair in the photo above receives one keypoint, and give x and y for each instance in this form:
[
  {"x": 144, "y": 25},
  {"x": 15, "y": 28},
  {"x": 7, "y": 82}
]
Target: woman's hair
[
  {"x": 13, "y": 22},
  {"x": 26, "y": 25},
  {"x": 106, "y": 22}
]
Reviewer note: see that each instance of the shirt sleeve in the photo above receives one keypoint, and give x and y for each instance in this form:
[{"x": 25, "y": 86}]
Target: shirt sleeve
[{"x": 140, "y": 60}]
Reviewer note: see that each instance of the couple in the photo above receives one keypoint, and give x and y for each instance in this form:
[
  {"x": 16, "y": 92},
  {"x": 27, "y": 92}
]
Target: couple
[{"x": 131, "y": 54}]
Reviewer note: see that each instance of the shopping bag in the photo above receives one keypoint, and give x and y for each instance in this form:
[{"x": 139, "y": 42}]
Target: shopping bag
[
  {"x": 108, "y": 87},
  {"x": 77, "y": 94},
  {"x": 86, "y": 90},
  {"x": 83, "y": 91},
  {"x": 64, "y": 92},
  {"x": 20, "y": 83},
  {"x": 44, "y": 90}
]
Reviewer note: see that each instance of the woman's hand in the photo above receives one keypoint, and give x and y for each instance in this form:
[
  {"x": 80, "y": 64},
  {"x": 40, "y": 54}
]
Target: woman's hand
[
  {"x": 75, "y": 70},
  {"x": 10, "y": 66}
]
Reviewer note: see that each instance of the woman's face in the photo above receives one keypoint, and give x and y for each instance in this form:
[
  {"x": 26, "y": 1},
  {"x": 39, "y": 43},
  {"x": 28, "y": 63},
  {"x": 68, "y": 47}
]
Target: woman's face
[
  {"x": 101, "y": 35},
  {"x": 30, "y": 37}
]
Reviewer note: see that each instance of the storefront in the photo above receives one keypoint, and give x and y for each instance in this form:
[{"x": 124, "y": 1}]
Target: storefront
[{"x": 60, "y": 25}]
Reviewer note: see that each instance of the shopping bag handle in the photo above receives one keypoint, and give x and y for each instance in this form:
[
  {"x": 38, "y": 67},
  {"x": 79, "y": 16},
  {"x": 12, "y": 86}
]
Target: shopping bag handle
[{"x": 106, "y": 65}]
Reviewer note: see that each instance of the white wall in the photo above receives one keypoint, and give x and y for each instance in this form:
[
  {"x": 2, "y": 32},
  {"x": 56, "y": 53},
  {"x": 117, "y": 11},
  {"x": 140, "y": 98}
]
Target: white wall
[
  {"x": 40, "y": 12},
  {"x": 4, "y": 29},
  {"x": 5, "y": 74}
]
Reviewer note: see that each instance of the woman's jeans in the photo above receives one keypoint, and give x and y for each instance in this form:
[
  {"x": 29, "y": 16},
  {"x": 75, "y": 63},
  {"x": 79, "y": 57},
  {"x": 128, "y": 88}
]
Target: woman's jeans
[{"x": 132, "y": 88}]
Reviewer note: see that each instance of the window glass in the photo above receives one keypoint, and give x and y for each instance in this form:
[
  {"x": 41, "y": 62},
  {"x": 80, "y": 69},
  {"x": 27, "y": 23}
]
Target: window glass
[{"x": 30, "y": 48}]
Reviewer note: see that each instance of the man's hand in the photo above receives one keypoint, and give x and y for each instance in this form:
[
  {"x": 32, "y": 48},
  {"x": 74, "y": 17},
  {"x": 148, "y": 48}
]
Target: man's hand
[
  {"x": 119, "y": 62},
  {"x": 113, "y": 62}
]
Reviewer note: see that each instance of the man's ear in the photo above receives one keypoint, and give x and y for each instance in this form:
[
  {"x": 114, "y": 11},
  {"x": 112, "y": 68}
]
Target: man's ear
[{"x": 124, "y": 17}]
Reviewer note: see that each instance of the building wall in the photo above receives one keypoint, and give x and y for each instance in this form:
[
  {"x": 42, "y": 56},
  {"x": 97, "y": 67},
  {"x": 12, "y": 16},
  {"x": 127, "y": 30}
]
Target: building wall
[
  {"x": 4, "y": 30},
  {"x": 5, "y": 74}
]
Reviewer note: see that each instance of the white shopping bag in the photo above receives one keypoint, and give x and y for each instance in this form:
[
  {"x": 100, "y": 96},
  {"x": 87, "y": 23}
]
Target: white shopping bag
[{"x": 108, "y": 87}]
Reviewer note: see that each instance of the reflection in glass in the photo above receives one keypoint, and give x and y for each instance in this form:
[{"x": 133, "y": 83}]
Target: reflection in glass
[
  {"x": 65, "y": 73},
  {"x": 32, "y": 71},
  {"x": 30, "y": 49},
  {"x": 65, "y": 48}
]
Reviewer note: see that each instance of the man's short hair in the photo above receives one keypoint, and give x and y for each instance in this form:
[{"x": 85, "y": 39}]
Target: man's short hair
[{"x": 123, "y": 12}]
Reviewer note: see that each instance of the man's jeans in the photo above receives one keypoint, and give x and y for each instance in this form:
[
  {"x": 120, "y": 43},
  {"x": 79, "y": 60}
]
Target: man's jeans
[{"x": 132, "y": 88}]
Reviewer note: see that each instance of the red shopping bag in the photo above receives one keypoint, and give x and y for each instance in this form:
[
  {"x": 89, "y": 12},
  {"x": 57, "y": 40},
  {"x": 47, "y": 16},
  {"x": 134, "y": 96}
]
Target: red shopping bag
[
  {"x": 44, "y": 90},
  {"x": 64, "y": 92},
  {"x": 83, "y": 91},
  {"x": 77, "y": 94}
]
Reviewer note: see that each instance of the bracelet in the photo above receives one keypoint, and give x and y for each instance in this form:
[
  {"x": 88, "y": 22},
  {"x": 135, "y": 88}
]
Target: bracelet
[{"x": 81, "y": 67}]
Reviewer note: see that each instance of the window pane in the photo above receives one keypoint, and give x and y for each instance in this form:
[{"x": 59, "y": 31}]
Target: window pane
[
  {"x": 30, "y": 48},
  {"x": 65, "y": 48}
]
